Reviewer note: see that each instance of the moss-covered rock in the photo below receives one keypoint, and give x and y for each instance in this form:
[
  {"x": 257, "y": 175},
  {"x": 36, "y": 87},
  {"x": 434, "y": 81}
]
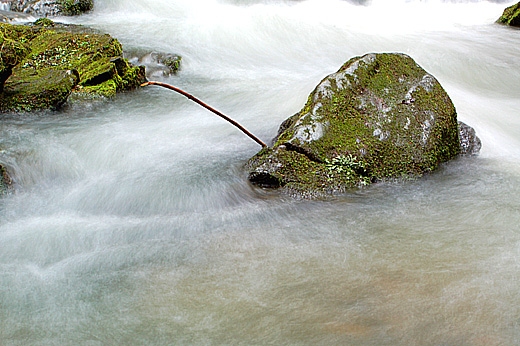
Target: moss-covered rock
[
  {"x": 511, "y": 16},
  {"x": 74, "y": 7},
  {"x": 41, "y": 89},
  {"x": 380, "y": 116},
  {"x": 64, "y": 59},
  {"x": 52, "y": 7}
]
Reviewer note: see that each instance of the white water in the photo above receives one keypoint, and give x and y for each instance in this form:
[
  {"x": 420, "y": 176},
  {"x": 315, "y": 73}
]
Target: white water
[{"x": 133, "y": 223}]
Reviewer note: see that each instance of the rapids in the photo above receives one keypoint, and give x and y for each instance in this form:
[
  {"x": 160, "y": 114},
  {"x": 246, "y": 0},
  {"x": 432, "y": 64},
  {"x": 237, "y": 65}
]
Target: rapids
[{"x": 132, "y": 221}]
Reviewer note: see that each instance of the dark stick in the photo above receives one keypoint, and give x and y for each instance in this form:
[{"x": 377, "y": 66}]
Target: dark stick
[{"x": 196, "y": 100}]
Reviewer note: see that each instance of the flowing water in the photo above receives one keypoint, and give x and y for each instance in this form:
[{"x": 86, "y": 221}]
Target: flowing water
[{"x": 132, "y": 221}]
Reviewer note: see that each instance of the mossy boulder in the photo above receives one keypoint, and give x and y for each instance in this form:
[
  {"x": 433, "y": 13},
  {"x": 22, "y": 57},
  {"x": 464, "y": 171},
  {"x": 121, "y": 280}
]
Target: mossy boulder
[
  {"x": 52, "y": 7},
  {"x": 379, "y": 116},
  {"x": 511, "y": 16},
  {"x": 61, "y": 60}
]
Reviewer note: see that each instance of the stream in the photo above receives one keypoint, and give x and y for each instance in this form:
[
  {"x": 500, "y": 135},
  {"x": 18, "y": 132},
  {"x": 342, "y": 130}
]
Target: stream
[{"x": 133, "y": 223}]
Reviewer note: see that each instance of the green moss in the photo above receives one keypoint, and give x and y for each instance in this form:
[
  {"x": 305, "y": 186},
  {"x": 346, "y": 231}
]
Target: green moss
[
  {"x": 105, "y": 89},
  {"x": 42, "y": 89},
  {"x": 511, "y": 16},
  {"x": 44, "y": 22},
  {"x": 173, "y": 62},
  {"x": 75, "y": 7},
  {"x": 12, "y": 50}
]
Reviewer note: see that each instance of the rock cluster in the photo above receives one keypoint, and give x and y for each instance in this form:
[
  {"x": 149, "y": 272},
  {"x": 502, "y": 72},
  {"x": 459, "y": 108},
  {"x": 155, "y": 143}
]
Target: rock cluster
[{"x": 42, "y": 64}]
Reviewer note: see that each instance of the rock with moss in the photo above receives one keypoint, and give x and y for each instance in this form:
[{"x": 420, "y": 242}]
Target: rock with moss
[
  {"x": 63, "y": 60},
  {"x": 52, "y": 7},
  {"x": 12, "y": 51},
  {"x": 511, "y": 16},
  {"x": 381, "y": 116},
  {"x": 5, "y": 181},
  {"x": 158, "y": 64},
  {"x": 45, "y": 89}
]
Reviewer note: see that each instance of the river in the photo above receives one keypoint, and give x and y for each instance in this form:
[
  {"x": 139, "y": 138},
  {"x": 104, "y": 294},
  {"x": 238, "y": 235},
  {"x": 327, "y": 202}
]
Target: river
[{"x": 132, "y": 221}]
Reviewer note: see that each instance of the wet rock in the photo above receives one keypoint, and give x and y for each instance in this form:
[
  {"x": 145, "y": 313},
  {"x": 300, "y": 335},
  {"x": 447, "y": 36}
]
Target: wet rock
[
  {"x": 380, "y": 116},
  {"x": 63, "y": 60},
  {"x": 5, "y": 180},
  {"x": 44, "y": 89},
  {"x": 470, "y": 144},
  {"x": 511, "y": 16},
  {"x": 51, "y": 8},
  {"x": 157, "y": 64},
  {"x": 11, "y": 53},
  {"x": 15, "y": 17}
]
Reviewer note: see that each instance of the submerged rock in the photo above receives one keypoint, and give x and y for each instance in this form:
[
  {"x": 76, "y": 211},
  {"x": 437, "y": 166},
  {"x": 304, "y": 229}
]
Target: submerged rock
[
  {"x": 11, "y": 17},
  {"x": 5, "y": 181},
  {"x": 45, "y": 8},
  {"x": 470, "y": 144},
  {"x": 380, "y": 116},
  {"x": 61, "y": 60},
  {"x": 157, "y": 64},
  {"x": 511, "y": 16}
]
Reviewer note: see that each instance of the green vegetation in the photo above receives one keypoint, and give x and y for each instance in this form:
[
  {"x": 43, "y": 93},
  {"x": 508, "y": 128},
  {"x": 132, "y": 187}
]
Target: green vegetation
[
  {"x": 75, "y": 7},
  {"x": 511, "y": 16}
]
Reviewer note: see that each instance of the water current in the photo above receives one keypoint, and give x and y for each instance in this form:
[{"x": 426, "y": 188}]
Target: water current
[{"x": 132, "y": 221}]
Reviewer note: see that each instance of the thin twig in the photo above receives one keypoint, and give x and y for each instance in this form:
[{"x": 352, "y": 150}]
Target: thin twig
[{"x": 196, "y": 100}]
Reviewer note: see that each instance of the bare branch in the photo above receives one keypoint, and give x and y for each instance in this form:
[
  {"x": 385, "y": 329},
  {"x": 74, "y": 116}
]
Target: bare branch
[{"x": 196, "y": 100}]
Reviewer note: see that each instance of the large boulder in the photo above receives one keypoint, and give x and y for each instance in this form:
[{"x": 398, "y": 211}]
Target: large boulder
[
  {"x": 380, "y": 116},
  {"x": 511, "y": 16},
  {"x": 62, "y": 60},
  {"x": 46, "y": 8}
]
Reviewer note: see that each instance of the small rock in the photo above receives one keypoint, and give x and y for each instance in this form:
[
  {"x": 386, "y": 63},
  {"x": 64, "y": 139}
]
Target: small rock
[{"x": 511, "y": 16}]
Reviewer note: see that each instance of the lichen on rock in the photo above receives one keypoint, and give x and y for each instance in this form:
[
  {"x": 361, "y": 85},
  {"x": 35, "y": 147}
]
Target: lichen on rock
[
  {"x": 379, "y": 116},
  {"x": 511, "y": 16}
]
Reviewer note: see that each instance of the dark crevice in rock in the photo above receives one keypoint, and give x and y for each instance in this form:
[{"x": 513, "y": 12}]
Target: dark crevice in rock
[
  {"x": 264, "y": 179},
  {"x": 303, "y": 151}
]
